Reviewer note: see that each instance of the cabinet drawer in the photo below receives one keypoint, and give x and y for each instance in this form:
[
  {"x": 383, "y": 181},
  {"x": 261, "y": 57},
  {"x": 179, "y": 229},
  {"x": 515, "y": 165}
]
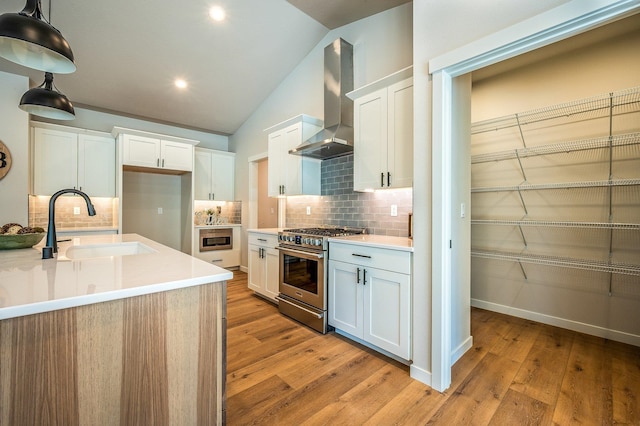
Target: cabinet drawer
[
  {"x": 222, "y": 258},
  {"x": 375, "y": 257},
  {"x": 268, "y": 240}
]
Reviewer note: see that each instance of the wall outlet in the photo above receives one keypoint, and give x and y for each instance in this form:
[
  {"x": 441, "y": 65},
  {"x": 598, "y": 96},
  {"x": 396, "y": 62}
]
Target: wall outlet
[
  {"x": 394, "y": 210},
  {"x": 463, "y": 210},
  {"x": 160, "y": 210},
  {"x": 308, "y": 210},
  {"x": 76, "y": 210}
]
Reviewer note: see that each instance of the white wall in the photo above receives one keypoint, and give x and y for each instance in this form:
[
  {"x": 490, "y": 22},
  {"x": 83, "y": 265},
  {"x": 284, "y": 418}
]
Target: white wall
[
  {"x": 14, "y": 133},
  {"x": 382, "y": 44}
]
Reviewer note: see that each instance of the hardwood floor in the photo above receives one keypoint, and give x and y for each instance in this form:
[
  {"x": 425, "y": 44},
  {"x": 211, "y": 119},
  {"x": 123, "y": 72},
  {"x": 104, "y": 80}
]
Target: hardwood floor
[{"x": 518, "y": 373}]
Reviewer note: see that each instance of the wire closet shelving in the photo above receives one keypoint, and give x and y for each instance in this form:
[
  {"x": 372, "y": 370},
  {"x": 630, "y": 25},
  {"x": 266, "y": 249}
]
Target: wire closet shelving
[{"x": 603, "y": 106}]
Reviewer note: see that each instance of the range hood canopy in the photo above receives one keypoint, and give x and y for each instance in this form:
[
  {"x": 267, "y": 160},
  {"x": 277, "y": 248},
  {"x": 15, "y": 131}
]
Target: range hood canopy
[{"x": 336, "y": 139}]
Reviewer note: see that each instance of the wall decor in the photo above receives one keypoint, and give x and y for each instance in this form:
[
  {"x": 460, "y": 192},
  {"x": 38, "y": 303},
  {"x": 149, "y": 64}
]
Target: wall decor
[{"x": 5, "y": 160}]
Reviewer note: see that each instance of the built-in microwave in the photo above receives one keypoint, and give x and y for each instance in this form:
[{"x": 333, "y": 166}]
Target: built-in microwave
[{"x": 216, "y": 239}]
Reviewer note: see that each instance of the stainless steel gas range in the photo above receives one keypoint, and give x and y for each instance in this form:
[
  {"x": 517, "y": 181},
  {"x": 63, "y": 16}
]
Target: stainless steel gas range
[{"x": 303, "y": 273}]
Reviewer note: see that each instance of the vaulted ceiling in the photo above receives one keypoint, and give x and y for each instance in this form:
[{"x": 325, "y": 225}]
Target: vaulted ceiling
[{"x": 129, "y": 53}]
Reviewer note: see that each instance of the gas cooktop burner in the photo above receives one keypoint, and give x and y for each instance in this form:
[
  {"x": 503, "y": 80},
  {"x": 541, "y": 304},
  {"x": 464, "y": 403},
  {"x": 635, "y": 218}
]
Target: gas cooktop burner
[{"x": 326, "y": 232}]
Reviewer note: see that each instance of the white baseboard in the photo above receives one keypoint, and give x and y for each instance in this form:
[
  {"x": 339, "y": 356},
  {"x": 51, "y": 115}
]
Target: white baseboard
[
  {"x": 461, "y": 349},
  {"x": 420, "y": 375},
  {"x": 244, "y": 269},
  {"x": 594, "y": 330}
]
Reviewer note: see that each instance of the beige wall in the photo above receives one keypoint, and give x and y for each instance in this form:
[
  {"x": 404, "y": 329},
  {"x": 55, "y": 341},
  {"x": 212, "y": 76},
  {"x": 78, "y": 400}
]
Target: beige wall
[
  {"x": 267, "y": 206},
  {"x": 573, "y": 298},
  {"x": 14, "y": 133}
]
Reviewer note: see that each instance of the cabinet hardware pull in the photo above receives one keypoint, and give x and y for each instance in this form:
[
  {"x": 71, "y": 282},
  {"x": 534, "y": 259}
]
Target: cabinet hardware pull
[
  {"x": 217, "y": 260},
  {"x": 262, "y": 239},
  {"x": 360, "y": 255},
  {"x": 382, "y": 179},
  {"x": 358, "y": 276},
  {"x": 213, "y": 195},
  {"x": 157, "y": 162},
  {"x": 388, "y": 178},
  {"x": 163, "y": 162},
  {"x": 364, "y": 277},
  {"x": 300, "y": 307}
]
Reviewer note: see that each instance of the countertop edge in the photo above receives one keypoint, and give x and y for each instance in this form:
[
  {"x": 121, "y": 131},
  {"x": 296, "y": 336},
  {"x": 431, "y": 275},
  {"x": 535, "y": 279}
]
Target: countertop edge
[{"x": 379, "y": 241}]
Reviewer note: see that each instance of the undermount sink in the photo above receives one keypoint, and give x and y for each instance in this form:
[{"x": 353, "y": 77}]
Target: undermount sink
[{"x": 104, "y": 250}]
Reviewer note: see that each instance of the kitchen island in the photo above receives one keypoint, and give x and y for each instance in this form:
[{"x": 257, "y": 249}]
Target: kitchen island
[{"x": 117, "y": 329}]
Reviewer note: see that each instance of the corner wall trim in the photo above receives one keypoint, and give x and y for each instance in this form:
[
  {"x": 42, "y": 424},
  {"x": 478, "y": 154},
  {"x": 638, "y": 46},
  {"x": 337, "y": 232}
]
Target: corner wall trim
[
  {"x": 457, "y": 353},
  {"x": 420, "y": 375}
]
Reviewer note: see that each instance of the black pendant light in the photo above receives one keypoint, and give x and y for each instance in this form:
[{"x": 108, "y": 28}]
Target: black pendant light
[
  {"x": 46, "y": 101},
  {"x": 27, "y": 39}
]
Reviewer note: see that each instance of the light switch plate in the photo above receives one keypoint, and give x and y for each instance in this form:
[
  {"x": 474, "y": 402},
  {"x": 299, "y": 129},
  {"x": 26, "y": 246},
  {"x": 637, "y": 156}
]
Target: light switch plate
[
  {"x": 308, "y": 210},
  {"x": 76, "y": 210},
  {"x": 160, "y": 210}
]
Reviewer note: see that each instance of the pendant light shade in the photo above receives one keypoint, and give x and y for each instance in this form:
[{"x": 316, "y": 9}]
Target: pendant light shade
[
  {"x": 26, "y": 39},
  {"x": 46, "y": 101}
]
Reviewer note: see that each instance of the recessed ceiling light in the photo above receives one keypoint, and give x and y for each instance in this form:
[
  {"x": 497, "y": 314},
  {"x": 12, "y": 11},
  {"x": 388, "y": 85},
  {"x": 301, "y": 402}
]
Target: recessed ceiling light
[
  {"x": 180, "y": 83},
  {"x": 217, "y": 13}
]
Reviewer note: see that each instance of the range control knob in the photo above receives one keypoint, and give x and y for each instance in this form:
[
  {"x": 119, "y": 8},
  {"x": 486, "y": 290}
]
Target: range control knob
[{"x": 318, "y": 242}]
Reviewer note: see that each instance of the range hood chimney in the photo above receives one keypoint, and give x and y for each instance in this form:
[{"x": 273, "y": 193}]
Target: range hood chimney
[{"x": 336, "y": 139}]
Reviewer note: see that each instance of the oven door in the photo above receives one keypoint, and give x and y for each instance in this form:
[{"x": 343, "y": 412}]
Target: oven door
[{"x": 302, "y": 276}]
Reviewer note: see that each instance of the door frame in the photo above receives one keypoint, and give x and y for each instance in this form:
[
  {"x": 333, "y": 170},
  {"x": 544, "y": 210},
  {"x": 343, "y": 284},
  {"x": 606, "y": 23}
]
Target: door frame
[{"x": 557, "y": 24}]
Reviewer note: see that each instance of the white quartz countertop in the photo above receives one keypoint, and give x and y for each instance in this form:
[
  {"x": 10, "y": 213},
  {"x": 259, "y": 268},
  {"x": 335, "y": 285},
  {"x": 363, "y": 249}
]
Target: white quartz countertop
[
  {"x": 382, "y": 241},
  {"x": 272, "y": 231},
  {"x": 30, "y": 284}
]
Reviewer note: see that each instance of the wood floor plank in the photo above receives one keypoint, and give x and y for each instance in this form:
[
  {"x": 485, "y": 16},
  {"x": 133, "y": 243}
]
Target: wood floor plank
[
  {"x": 586, "y": 393},
  {"x": 364, "y": 400},
  {"x": 625, "y": 378},
  {"x": 476, "y": 400},
  {"x": 528, "y": 411},
  {"x": 517, "y": 372}
]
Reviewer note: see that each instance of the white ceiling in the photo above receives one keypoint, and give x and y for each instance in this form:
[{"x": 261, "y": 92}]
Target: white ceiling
[{"x": 129, "y": 52}]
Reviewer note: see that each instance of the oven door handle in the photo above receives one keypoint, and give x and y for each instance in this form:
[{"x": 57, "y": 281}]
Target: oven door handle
[
  {"x": 302, "y": 253},
  {"x": 319, "y": 316}
]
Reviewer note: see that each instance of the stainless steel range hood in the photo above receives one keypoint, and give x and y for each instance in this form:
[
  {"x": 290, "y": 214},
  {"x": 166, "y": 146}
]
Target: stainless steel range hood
[{"x": 336, "y": 139}]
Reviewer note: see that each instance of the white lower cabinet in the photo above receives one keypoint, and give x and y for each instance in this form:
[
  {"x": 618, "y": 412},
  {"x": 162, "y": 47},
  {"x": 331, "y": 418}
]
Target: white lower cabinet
[
  {"x": 264, "y": 264},
  {"x": 223, "y": 258},
  {"x": 371, "y": 303}
]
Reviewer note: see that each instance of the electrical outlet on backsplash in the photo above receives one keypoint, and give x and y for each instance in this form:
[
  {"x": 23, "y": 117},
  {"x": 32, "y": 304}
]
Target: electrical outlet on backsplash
[{"x": 217, "y": 212}]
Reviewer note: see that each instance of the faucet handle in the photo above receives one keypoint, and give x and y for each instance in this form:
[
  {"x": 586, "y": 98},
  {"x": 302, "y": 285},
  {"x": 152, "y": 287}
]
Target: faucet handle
[{"x": 47, "y": 252}]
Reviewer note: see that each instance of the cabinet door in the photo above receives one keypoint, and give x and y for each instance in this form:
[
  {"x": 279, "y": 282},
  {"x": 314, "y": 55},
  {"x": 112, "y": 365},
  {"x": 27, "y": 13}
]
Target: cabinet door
[
  {"x": 223, "y": 176},
  {"x": 387, "y": 311},
  {"x": 202, "y": 175},
  {"x": 292, "y": 164},
  {"x": 257, "y": 269},
  {"x": 97, "y": 165},
  {"x": 370, "y": 141},
  {"x": 272, "y": 276},
  {"x": 400, "y": 140},
  {"x": 55, "y": 161},
  {"x": 345, "y": 297},
  {"x": 177, "y": 156},
  {"x": 141, "y": 151},
  {"x": 275, "y": 165}
]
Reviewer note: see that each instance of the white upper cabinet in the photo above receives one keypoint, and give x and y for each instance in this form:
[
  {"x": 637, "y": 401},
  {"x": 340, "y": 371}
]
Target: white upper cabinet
[
  {"x": 214, "y": 173},
  {"x": 148, "y": 151},
  {"x": 292, "y": 174},
  {"x": 73, "y": 158},
  {"x": 383, "y": 133}
]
